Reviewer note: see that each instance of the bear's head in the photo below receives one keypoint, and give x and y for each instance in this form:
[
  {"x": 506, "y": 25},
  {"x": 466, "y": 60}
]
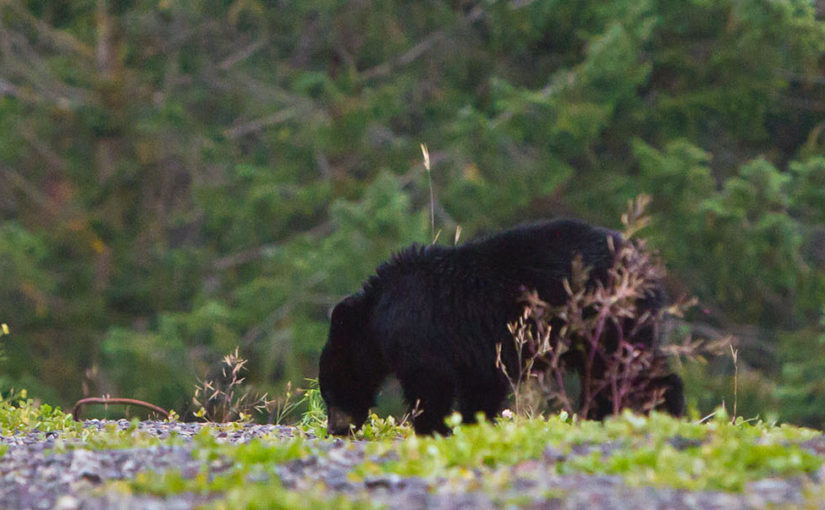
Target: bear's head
[{"x": 350, "y": 370}]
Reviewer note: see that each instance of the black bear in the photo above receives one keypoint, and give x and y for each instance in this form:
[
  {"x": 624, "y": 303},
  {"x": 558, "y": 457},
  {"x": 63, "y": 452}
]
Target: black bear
[{"x": 433, "y": 315}]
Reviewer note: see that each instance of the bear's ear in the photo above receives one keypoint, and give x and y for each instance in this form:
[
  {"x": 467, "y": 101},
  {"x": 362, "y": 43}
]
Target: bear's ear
[{"x": 345, "y": 320}]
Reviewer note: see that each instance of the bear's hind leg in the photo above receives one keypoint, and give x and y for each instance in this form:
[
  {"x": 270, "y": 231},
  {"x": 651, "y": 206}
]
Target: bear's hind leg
[
  {"x": 487, "y": 397},
  {"x": 674, "y": 395}
]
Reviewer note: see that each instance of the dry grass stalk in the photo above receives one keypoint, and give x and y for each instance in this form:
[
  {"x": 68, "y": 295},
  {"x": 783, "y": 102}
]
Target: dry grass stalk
[
  {"x": 227, "y": 398},
  {"x": 597, "y": 332}
]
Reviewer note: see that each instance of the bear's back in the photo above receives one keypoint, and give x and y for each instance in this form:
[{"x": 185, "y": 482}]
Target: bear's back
[
  {"x": 539, "y": 255},
  {"x": 536, "y": 256},
  {"x": 433, "y": 292}
]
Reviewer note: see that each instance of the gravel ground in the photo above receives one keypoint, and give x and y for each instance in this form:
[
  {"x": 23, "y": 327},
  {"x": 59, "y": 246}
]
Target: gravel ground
[{"x": 33, "y": 477}]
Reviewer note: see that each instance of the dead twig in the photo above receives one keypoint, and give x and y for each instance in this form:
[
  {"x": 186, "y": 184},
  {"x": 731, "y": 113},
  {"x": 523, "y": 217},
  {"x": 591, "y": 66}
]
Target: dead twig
[
  {"x": 239, "y": 258},
  {"x": 255, "y": 125},
  {"x": 116, "y": 401},
  {"x": 242, "y": 54},
  {"x": 420, "y": 49}
]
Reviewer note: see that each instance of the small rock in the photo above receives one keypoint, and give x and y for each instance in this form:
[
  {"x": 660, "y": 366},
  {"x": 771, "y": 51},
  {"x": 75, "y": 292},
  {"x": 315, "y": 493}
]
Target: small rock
[
  {"x": 391, "y": 481},
  {"x": 85, "y": 465},
  {"x": 553, "y": 455},
  {"x": 67, "y": 503},
  {"x": 683, "y": 443}
]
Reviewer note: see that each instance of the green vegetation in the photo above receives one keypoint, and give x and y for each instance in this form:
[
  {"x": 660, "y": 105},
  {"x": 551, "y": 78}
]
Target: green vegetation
[
  {"x": 20, "y": 414},
  {"x": 256, "y": 459},
  {"x": 644, "y": 450},
  {"x": 181, "y": 178},
  {"x": 656, "y": 450}
]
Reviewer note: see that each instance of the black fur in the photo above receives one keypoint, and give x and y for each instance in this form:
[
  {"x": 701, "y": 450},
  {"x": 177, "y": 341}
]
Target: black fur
[{"x": 433, "y": 315}]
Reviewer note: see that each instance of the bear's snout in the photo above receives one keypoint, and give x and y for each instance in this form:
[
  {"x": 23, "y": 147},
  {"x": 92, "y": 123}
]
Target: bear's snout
[{"x": 338, "y": 422}]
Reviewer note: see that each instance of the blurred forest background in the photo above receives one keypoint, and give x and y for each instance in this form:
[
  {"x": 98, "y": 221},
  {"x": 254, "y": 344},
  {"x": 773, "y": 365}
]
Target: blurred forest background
[{"x": 178, "y": 178}]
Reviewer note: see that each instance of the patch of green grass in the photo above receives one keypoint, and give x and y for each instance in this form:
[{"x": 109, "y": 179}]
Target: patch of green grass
[
  {"x": 314, "y": 418},
  {"x": 20, "y": 414},
  {"x": 377, "y": 428},
  {"x": 252, "y": 453},
  {"x": 273, "y": 496},
  {"x": 112, "y": 437},
  {"x": 728, "y": 456},
  {"x": 470, "y": 446},
  {"x": 256, "y": 459},
  {"x": 656, "y": 450},
  {"x": 250, "y": 481}
]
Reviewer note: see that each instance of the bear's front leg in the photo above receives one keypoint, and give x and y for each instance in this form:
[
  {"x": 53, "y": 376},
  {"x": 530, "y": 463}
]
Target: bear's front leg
[{"x": 430, "y": 396}]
